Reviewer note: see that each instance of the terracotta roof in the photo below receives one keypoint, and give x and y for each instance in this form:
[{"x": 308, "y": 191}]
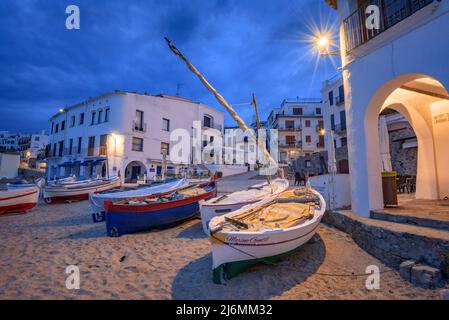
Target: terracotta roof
[{"x": 332, "y": 3}]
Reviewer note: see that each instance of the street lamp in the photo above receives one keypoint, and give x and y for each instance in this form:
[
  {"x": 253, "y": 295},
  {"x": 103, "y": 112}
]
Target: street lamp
[{"x": 322, "y": 42}]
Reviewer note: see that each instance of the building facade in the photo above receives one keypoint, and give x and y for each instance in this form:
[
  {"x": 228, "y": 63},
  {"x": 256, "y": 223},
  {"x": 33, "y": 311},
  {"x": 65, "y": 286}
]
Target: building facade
[
  {"x": 334, "y": 112},
  {"x": 125, "y": 134},
  {"x": 400, "y": 64},
  {"x": 300, "y": 128}
]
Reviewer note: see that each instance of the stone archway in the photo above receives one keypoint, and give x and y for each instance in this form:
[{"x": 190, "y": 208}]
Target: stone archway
[
  {"x": 421, "y": 99},
  {"x": 133, "y": 171}
]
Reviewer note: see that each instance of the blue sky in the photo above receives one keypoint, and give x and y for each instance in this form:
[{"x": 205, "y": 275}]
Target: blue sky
[{"x": 241, "y": 46}]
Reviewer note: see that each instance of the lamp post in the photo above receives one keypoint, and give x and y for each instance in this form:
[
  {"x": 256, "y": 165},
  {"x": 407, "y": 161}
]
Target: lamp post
[{"x": 322, "y": 43}]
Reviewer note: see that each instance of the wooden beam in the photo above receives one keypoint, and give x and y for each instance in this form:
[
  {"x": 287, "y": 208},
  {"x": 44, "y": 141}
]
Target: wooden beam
[{"x": 425, "y": 92}]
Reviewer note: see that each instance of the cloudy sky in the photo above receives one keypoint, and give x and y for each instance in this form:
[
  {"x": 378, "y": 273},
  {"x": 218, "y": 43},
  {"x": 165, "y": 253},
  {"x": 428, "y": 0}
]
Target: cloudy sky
[{"x": 241, "y": 46}]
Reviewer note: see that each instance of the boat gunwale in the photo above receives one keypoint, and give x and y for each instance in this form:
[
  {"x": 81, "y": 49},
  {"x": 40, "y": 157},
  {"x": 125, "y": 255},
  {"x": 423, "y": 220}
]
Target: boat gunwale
[
  {"x": 267, "y": 232},
  {"x": 121, "y": 207}
]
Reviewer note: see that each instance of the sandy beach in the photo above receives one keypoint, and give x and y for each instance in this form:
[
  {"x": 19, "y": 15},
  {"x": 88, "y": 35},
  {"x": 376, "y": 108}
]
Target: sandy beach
[{"x": 174, "y": 263}]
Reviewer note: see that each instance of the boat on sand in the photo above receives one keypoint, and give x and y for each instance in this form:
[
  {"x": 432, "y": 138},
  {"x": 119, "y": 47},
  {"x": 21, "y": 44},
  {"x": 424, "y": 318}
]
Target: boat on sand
[
  {"x": 97, "y": 200},
  {"x": 161, "y": 212},
  {"x": 264, "y": 231},
  {"x": 18, "y": 200},
  {"x": 78, "y": 191},
  {"x": 230, "y": 202}
]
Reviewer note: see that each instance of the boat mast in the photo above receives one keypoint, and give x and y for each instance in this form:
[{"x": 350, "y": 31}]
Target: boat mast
[{"x": 221, "y": 100}]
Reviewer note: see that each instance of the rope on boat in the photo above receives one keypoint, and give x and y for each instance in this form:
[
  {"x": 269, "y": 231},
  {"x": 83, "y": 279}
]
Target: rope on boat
[{"x": 323, "y": 274}]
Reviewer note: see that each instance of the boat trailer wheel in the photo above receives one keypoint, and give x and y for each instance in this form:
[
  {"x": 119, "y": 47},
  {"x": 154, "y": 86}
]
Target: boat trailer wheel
[{"x": 47, "y": 200}]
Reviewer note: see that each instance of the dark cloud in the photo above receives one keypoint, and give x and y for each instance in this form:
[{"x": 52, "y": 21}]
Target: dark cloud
[{"x": 241, "y": 46}]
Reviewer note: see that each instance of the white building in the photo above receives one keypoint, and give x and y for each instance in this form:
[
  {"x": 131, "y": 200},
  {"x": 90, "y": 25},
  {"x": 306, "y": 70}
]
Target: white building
[
  {"x": 299, "y": 123},
  {"x": 122, "y": 133},
  {"x": 9, "y": 165},
  {"x": 38, "y": 143},
  {"x": 334, "y": 116},
  {"x": 402, "y": 65}
]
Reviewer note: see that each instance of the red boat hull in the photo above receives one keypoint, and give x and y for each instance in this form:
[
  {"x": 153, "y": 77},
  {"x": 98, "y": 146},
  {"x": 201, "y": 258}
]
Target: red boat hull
[{"x": 17, "y": 208}]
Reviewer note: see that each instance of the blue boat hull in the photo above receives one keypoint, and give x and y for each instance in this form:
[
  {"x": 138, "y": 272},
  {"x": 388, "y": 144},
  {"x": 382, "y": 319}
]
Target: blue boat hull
[{"x": 120, "y": 223}]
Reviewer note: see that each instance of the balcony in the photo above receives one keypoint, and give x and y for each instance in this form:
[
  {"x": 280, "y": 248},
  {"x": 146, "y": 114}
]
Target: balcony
[
  {"x": 320, "y": 144},
  {"x": 340, "y": 128},
  {"x": 297, "y": 144},
  {"x": 139, "y": 126},
  {"x": 340, "y": 100},
  {"x": 391, "y": 13},
  {"x": 212, "y": 126},
  {"x": 289, "y": 128}
]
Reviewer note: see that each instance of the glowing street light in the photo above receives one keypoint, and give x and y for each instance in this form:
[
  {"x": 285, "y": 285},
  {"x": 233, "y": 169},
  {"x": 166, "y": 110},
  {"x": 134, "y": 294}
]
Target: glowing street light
[{"x": 322, "y": 42}]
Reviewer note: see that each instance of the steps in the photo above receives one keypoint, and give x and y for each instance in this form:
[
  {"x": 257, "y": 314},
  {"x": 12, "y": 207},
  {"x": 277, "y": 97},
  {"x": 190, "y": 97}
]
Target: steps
[
  {"x": 393, "y": 242},
  {"x": 409, "y": 218}
]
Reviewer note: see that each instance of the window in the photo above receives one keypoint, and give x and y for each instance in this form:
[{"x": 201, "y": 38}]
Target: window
[
  {"x": 308, "y": 164},
  {"x": 37, "y": 138},
  {"x": 332, "y": 122},
  {"x": 320, "y": 124},
  {"x": 290, "y": 140},
  {"x": 92, "y": 120},
  {"x": 343, "y": 119},
  {"x": 318, "y": 110},
  {"x": 52, "y": 127},
  {"x": 91, "y": 146},
  {"x": 54, "y": 149},
  {"x": 81, "y": 119},
  {"x": 80, "y": 141},
  {"x": 331, "y": 98},
  {"x": 308, "y": 139},
  {"x": 137, "y": 144},
  {"x": 297, "y": 111},
  {"x": 138, "y": 121},
  {"x": 165, "y": 124},
  {"x": 57, "y": 128},
  {"x": 63, "y": 125},
  {"x": 72, "y": 121},
  {"x": 320, "y": 141},
  {"x": 103, "y": 144},
  {"x": 207, "y": 122},
  {"x": 290, "y": 124},
  {"x": 61, "y": 148},
  {"x": 70, "y": 146},
  {"x": 341, "y": 92},
  {"x": 100, "y": 115},
  {"x": 106, "y": 115},
  {"x": 344, "y": 142},
  {"x": 308, "y": 123},
  {"x": 165, "y": 148}
]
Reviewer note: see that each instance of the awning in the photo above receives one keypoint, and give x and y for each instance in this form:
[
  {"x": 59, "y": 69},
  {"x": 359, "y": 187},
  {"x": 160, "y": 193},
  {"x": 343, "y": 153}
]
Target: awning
[
  {"x": 86, "y": 163},
  {"x": 99, "y": 161},
  {"x": 65, "y": 164}
]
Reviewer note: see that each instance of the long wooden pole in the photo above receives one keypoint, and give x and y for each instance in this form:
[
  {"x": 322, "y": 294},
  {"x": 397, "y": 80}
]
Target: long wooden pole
[
  {"x": 220, "y": 99},
  {"x": 256, "y": 110}
]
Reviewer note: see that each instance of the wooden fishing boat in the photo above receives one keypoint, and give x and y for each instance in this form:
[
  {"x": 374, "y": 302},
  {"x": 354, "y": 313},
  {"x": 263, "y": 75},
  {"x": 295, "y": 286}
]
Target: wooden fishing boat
[
  {"x": 227, "y": 203},
  {"x": 62, "y": 181},
  {"x": 18, "y": 200},
  {"x": 78, "y": 191},
  {"x": 264, "y": 231},
  {"x": 40, "y": 182},
  {"x": 97, "y": 200},
  {"x": 134, "y": 216}
]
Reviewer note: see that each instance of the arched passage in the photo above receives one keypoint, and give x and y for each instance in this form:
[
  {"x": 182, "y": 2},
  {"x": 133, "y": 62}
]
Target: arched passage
[
  {"x": 425, "y": 103},
  {"x": 133, "y": 171}
]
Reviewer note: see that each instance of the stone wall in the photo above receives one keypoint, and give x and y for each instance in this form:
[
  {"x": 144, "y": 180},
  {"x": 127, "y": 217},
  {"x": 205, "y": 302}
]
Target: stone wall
[
  {"x": 404, "y": 161},
  {"x": 318, "y": 163},
  {"x": 393, "y": 243}
]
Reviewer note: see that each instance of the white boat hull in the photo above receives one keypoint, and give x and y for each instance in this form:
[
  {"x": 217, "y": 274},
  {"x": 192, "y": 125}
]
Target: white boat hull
[
  {"x": 18, "y": 200},
  {"x": 234, "y": 251},
  {"x": 213, "y": 208},
  {"x": 79, "y": 191}
]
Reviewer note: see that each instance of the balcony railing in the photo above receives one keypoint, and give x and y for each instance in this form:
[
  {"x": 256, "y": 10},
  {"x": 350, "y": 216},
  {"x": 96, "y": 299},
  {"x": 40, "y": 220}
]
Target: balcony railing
[
  {"x": 297, "y": 144},
  {"x": 212, "y": 126},
  {"x": 340, "y": 128},
  {"x": 320, "y": 144},
  {"x": 139, "y": 126},
  {"x": 340, "y": 100},
  {"x": 289, "y": 128},
  {"x": 85, "y": 152},
  {"x": 391, "y": 13}
]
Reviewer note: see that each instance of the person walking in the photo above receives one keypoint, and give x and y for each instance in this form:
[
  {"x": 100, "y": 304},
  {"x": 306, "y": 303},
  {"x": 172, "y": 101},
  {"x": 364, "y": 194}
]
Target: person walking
[{"x": 297, "y": 178}]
